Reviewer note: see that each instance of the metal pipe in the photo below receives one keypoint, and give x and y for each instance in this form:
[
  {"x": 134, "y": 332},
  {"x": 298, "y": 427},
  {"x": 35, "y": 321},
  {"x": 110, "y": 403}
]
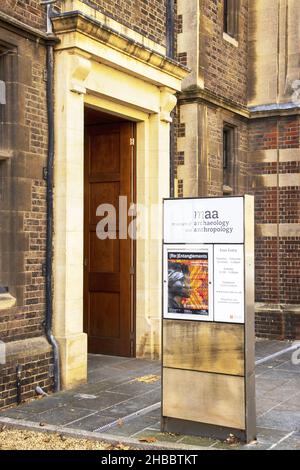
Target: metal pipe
[
  {"x": 48, "y": 4},
  {"x": 170, "y": 22},
  {"x": 49, "y": 235},
  {"x": 49, "y": 199}
]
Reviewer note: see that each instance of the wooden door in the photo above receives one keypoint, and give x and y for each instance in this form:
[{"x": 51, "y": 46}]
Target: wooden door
[{"x": 109, "y": 263}]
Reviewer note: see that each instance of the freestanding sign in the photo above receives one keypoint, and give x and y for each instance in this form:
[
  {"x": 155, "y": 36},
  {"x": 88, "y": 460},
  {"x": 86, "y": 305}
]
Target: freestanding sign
[{"x": 208, "y": 317}]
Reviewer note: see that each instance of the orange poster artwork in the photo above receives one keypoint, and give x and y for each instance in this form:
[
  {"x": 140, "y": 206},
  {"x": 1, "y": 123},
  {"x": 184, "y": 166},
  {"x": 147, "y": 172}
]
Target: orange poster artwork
[{"x": 188, "y": 283}]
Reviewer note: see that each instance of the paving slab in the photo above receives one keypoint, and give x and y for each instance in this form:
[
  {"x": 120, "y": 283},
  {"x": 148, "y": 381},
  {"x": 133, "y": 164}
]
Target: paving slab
[
  {"x": 291, "y": 442},
  {"x": 133, "y": 387},
  {"x": 280, "y": 419},
  {"x": 102, "y": 401},
  {"x": 60, "y": 416},
  {"x": 265, "y": 348},
  {"x": 269, "y": 437},
  {"x": 134, "y": 405},
  {"x": 263, "y": 405},
  {"x": 135, "y": 426}
]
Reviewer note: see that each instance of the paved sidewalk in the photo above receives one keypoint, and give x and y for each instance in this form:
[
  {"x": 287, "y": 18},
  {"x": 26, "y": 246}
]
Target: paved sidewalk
[{"x": 122, "y": 400}]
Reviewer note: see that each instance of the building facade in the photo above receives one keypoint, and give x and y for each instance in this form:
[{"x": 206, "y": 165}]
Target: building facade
[
  {"x": 273, "y": 100},
  {"x": 114, "y": 87},
  {"x": 119, "y": 68},
  {"x": 237, "y": 131},
  {"x": 26, "y": 354}
]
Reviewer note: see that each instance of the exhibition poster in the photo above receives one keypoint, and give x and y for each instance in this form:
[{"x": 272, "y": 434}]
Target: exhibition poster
[{"x": 187, "y": 284}]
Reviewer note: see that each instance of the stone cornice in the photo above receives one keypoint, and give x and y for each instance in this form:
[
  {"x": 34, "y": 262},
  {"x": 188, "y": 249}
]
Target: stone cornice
[
  {"x": 76, "y": 21},
  {"x": 23, "y": 29},
  {"x": 206, "y": 96},
  {"x": 285, "y": 109}
]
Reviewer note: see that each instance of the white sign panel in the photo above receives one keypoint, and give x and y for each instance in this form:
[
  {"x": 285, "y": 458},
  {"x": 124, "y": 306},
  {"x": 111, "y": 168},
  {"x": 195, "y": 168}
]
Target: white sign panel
[
  {"x": 229, "y": 284},
  {"x": 188, "y": 276},
  {"x": 213, "y": 220}
]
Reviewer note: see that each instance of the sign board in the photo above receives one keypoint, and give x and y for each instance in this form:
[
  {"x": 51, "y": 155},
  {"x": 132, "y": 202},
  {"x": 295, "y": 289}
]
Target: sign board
[
  {"x": 213, "y": 220},
  {"x": 208, "y": 317}
]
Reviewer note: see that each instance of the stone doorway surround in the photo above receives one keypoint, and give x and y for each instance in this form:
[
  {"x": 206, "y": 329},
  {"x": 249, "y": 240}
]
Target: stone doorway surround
[{"x": 100, "y": 63}]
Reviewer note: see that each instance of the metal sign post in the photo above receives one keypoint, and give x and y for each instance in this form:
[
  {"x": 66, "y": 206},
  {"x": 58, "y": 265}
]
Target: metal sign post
[{"x": 208, "y": 317}]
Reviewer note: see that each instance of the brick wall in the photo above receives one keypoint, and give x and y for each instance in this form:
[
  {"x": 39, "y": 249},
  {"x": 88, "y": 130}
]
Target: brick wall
[
  {"x": 276, "y": 325},
  {"x": 23, "y": 213},
  {"x": 225, "y": 65},
  {"x": 274, "y": 133},
  {"x": 274, "y": 164},
  {"x": 208, "y": 147},
  {"x": 26, "y": 210},
  {"x": 23, "y": 200},
  {"x": 147, "y": 17},
  {"x": 34, "y": 371},
  {"x": 29, "y": 12},
  {"x": 266, "y": 158},
  {"x": 222, "y": 69}
]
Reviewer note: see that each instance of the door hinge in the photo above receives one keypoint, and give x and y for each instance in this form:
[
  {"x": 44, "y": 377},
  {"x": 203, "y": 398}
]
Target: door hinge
[{"x": 132, "y": 141}]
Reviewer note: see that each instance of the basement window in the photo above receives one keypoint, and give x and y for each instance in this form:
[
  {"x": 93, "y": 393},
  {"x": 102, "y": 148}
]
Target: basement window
[{"x": 231, "y": 15}]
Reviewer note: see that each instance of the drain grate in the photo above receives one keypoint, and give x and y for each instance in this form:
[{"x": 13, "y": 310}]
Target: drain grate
[{"x": 129, "y": 417}]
